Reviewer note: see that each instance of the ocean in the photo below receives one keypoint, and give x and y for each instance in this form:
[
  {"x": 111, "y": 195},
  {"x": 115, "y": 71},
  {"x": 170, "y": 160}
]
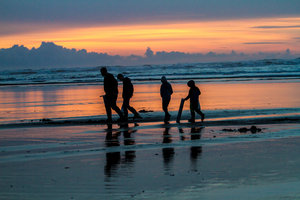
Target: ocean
[
  {"x": 229, "y": 89},
  {"x": 202, "y": 72}
]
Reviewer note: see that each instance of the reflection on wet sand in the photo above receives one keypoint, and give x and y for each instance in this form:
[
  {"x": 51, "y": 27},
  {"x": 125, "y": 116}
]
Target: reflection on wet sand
[
  {"x": 116, "y": 160},
  {"x": 195, "y": 151},
  {"x": 129, "y": 140},
  {"x": 112, "y": 158},
  {"x": 167, "y": 152}
]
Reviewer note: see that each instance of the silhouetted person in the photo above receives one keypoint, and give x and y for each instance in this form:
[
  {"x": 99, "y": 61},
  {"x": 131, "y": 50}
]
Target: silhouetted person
[
  {"x": 165, "y": 92},
  {"x": 111, "y": 94},
  {"x": 193, "y": 95},
  {"x": 127, "y": 94}
]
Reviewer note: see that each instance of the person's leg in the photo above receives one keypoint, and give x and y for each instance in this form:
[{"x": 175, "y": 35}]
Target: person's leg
[
  {"x": 198, "y": 110},
  {"x": 131, "y": 109},
  {"x": 125, "y": 107},
  {"x": 200, "y": 113},
  {"x": 107, "y": 107},
  {"x": 165, "y": 104},
  {"x": 115, "y": 107},
  {"x": 192, "y": 110}
]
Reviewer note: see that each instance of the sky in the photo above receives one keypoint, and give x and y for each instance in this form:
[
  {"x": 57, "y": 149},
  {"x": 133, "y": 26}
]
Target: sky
[{"x": 125, "y": 27}]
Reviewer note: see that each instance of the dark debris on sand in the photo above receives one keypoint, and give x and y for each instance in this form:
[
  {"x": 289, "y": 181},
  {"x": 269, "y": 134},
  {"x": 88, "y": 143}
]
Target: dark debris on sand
[
  {"x": 252, "y": 129},
  {"x": 145, "y": 111},
  {"x": 45, "y": 120}
]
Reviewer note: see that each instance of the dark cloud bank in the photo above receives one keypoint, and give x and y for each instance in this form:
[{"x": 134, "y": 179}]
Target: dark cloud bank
[
  {"x": 52, "y": 55},
  {"x": 100, "y": 11}
]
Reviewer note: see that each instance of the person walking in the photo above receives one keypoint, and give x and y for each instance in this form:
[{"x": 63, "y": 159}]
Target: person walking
[
  {"x": 193, "y": 95},
  {"x": 111, "y": 94},
  {"x": 127, "y": 93},
  {"x": 165, "y": 92}
]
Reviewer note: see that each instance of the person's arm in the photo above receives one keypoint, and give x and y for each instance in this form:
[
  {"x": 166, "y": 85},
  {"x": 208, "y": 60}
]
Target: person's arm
[
  {"x": 186, "y": 98},
  {"x": 189, "y": 95}
]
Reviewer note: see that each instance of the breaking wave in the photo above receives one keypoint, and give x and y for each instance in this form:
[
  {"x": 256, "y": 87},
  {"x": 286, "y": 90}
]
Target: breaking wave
[{"x": 219, "y": 71}]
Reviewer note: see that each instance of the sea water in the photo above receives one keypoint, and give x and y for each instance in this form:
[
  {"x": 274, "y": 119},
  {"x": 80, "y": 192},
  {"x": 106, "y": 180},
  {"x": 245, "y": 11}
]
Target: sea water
[{"x": 229, "y": 89}]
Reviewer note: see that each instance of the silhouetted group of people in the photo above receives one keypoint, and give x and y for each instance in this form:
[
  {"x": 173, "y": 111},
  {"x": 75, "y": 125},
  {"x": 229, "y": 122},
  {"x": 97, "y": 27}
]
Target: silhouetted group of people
[
  {"x": 111, "y": 95},
  {"x": 166, "y": 91}
]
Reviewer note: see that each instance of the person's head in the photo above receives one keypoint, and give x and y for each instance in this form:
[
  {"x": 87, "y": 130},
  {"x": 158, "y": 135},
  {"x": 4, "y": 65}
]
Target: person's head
[
  {"x": 163, "y": 79},
  {"x": 191, "y": 83},
  {"x": 103, "y": 71},
  {"x": 120, "y": 77}
]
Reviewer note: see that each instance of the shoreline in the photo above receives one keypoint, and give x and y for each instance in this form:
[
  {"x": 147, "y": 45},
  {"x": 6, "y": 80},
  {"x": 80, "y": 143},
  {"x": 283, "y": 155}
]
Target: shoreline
[
  {"x": 82, "y": 103},
  {"x": 158, "y": 117}
]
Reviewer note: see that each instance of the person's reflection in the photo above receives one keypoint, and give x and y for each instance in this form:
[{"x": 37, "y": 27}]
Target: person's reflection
[
  {"x": 112, "y": 158},
  {"x": 168, "y": 152},
  {"x": 196, "y": 132},
  {"x": 195, "y": 151},
  {"x": 181, "y": 134},
  {"x": 129, "y": 140}
]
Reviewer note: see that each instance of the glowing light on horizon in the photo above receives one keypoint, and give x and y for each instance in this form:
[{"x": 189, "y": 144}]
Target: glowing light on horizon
[{"x": 247, "y": 35}]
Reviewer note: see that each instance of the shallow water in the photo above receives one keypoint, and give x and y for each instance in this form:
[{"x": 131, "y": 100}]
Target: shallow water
[{"x": 35, "y": 102}]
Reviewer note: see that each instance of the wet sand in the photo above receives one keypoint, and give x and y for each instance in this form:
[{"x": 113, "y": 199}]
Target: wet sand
[{"x": 150, "y": 161}]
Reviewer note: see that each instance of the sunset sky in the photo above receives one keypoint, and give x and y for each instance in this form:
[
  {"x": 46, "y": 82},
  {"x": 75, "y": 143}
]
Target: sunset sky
[{"x": 130, "y": 26}]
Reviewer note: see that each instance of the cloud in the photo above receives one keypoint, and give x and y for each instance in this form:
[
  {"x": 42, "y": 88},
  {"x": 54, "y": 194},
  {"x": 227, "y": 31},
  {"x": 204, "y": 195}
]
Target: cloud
[
  {"x": 52, "y": 55},
  {"x": 263, "y": 43},
  {"x": 101, "y": 12},
  {"x": 8, "y": 28},
  {"x": 277, "y": 27}
]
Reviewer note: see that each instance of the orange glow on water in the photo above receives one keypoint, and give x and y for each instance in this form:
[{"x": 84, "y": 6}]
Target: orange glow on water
[
  {"x": 77, "y": 101},
  {"x": 222, "y": 36},
  {"x": 228, "y": 96}
]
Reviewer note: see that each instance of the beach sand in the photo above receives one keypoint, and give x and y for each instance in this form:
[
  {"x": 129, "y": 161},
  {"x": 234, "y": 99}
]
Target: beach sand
[{"x": 150, "y": 161}]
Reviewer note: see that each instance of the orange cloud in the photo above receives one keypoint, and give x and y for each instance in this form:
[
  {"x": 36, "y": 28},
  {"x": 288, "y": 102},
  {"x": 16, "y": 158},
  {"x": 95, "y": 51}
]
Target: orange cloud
[{"x": 220, "y": 36}]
